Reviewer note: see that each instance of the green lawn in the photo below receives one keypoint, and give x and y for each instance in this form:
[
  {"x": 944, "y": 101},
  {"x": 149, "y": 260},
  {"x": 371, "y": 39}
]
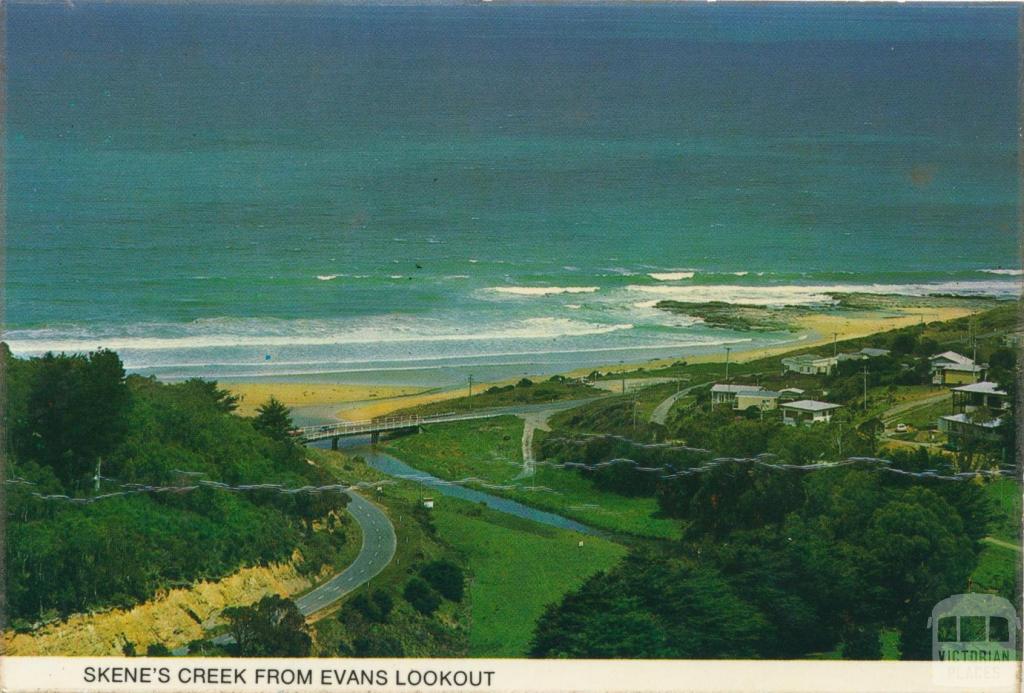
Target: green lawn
[
  {"x": 1006, "y": 500},
  {"x": 509, "y": 395},
  {"x": 518, "y": 567},
  {"x": 492, "y": 450}
]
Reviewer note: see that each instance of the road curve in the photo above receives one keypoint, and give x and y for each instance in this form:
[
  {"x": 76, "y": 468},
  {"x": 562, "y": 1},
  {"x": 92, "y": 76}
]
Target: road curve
[
  {"x": 376, "y": 553},
  {"x": 660, "y": 413}
]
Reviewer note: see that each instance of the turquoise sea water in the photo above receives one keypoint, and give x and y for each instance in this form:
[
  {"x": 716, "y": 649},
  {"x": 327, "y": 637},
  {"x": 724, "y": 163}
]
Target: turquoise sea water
[{"x": 415, "y": 193}]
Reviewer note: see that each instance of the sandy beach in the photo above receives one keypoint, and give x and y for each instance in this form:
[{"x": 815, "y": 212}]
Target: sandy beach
[
  {"x": 360, "y": 402},
  {"x": 252, "y": 394}
]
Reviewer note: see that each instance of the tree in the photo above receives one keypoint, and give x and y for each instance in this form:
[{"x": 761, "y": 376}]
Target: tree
[
  {"x": 422, "y": 596},
  {"x": 903, "y": 343},
  {"x": 273, "y": 627},
  {"x": 274, "y": 420},
  {"x": 651, "y": 607},
  {"x": 446, "y": 578},
  {"x": 158, "y": 649},
  {"x": 74, "y": 413},
  {"x": 223, "y": 400}
]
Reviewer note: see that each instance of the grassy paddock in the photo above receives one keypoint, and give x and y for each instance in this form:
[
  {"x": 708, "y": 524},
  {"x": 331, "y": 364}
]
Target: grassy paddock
[
  {"x": 492, "y": 450},
  {"x": 518, "y": 568}
]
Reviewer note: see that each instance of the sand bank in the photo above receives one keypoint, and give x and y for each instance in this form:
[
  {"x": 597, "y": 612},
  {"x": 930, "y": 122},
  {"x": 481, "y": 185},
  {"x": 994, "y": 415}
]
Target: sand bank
[{"x": 253, "y": 394}]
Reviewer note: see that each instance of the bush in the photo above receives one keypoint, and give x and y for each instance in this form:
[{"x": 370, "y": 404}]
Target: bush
[
  {"x": 158, "y": 649},
  {"x": 447, "y": 578},
  {"x": 422, "y": 596}
]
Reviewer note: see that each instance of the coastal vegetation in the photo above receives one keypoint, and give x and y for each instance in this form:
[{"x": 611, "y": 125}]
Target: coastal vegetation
[
  {"x": 117, "y": 489},
  {"x": 720, "y": 541}
]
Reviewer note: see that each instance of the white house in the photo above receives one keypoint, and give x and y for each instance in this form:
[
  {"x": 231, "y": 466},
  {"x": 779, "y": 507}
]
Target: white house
[
  {"x": 742, "y": 397},
  {"x": 810, "y": 364},
  {"x": 807, "y": 411}
]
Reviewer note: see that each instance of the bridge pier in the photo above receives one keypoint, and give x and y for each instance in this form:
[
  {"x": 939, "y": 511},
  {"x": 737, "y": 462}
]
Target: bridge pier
[
  {"x": 334, "y": 443},
  {"x": 374, "y": 437}
]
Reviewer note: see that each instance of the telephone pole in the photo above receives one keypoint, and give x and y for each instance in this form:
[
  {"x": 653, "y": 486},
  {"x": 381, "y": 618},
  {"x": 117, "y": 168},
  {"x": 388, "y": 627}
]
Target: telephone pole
[
  {"x": 471, "y": 385},
  {"x": 835, "y": 346},
  {"x": 865, "y": 388},
  {"x": 727, "y": 350}
]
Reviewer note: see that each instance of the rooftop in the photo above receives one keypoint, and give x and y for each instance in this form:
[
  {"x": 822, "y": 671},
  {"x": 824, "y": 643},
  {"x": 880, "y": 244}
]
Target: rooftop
[
  {"x": 983, "y": 388},
  {"x": 810, "y": 405},
  {"x": 968, "y": 367},
  {"x": 952, "y": 356},
  {"x": 806, "y": 358},
  {"x": 870, "y": 351},
  {"x": 718, "y": 387},
  {"x": 964, "y": 419}
]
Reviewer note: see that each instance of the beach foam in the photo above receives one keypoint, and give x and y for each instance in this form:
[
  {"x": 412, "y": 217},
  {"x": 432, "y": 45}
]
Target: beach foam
[
  {"x": 670, "y": 276},
  {"x": 233, "y": 333},
  {"x": 327, "y": 277},
  {"x": 543, "y": 290},
  {"x": 794, "y": 295},
  {"x": 1009, "y": 272}
]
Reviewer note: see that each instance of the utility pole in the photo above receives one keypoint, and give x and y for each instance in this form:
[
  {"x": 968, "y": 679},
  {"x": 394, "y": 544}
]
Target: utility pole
[
  {"x": 470, "y": 384},
  {"x": 99, "y": 464},
  {"x": 634, "y": 411},
  {"x": 623, "y": 384},
  {"x": 727, "y": 350},
  {"x": 835, "y": 346},
  {"x": 865, "y": 388}
]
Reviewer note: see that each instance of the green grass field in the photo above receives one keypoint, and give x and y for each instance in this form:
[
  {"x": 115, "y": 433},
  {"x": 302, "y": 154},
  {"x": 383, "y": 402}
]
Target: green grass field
[
  {"x": 1005, "y": 495},
  {"x": 518, "y": 567},
  {"x": 492, "y": 450}
]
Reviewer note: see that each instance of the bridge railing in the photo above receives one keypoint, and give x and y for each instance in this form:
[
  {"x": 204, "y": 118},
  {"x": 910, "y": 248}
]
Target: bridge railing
[{"x": 383, "y": 423}]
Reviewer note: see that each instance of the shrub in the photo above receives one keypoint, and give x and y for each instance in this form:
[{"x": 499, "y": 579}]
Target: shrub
[
  {"x": 447, "y": 578},
  {"x": 422, "y": 596}
]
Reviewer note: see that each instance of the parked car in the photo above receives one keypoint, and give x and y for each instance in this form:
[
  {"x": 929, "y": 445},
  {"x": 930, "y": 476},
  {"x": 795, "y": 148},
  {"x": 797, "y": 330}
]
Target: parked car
[{"x": 902, "y": 428}]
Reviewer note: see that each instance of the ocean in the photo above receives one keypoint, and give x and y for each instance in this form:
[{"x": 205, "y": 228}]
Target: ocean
[{"x": 413, "y": 194}]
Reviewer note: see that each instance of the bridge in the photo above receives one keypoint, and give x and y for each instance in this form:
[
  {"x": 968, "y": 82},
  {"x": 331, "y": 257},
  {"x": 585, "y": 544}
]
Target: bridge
[{"x": 374, "y": 427}]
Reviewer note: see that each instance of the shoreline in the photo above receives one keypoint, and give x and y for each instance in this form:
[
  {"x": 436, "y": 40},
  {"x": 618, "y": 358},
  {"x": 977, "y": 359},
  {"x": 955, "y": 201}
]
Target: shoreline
[{"x": 352, "y": 402}]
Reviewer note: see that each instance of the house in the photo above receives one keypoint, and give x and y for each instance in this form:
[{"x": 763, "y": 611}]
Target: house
[
  {"x": 742, "y": 397},
  {"x": 987, "y": 395},
  {"x": 428, "y": 503},
  {"x": 951, "y": 368},
  {"x": 790, "y": 394},
  {"x": 961, "y": 428},
  {"x": 807, "y": 411},
  {"x": 810, "y": 364},
  {"x": 870, "y": 352},
  {"x": 760, "y": 398}
]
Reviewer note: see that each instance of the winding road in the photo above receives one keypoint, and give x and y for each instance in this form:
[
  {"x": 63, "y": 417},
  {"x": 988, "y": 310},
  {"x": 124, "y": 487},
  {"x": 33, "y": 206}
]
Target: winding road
[
  {"x": 660, "y": 413},
  {"x": 376, "y": 553}
]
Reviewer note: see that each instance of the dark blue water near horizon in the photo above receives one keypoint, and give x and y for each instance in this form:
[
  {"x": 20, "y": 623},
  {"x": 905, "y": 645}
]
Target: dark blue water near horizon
[{"x": 238, "y": 191}]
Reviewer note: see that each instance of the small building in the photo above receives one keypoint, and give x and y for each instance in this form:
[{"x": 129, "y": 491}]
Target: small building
[
  {"x": 428, "y": 503},
  {"x": 969, "y": 398},
  {"x": 951, "y": 368},
  {"x": 807, "y": 411},
  {"x": 760, "y": 398},
  {"x": 742, "y": 397},
  {"x": 871, "y": 352},
  {"x": 790, "y": 394},
  {"x": 810, "y": 364},
  {"x": 960, "y": 428}
]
